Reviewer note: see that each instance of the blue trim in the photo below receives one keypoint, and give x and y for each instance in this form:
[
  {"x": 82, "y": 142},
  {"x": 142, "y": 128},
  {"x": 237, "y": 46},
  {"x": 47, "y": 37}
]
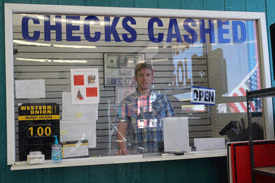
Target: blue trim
[{"x": 203, "y": 104}]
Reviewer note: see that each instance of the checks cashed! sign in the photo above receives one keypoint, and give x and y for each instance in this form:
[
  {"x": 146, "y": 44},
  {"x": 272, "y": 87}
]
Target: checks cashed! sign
[{"x": 200, "y": 95}]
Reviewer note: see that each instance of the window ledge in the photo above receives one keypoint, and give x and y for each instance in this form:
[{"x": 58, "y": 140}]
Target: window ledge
[{"x": 119, "y": 159}]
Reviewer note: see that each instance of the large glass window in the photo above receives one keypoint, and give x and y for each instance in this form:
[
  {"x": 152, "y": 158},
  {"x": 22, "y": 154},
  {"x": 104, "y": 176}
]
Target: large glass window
[{"x": 74, "y": 77}]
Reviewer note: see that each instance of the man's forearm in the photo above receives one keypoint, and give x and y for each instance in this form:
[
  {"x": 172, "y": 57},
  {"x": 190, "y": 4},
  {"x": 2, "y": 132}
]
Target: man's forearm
[
  {"x": 121, "y": 135},
  {"x": 121, "y": 142}
]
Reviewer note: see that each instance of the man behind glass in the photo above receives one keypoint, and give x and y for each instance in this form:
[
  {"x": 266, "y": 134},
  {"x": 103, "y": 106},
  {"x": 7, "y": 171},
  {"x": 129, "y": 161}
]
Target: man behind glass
[{"x": 141, "y": 113}]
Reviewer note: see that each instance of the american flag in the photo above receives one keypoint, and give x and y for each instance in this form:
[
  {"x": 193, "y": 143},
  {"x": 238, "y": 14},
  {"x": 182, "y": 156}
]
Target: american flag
[{"x": 250, "y": 82}]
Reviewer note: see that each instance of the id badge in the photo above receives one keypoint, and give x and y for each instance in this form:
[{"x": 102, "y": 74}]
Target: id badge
[
  {"x": 153, "y": 123},
  {"x": 142, "y": 123}
]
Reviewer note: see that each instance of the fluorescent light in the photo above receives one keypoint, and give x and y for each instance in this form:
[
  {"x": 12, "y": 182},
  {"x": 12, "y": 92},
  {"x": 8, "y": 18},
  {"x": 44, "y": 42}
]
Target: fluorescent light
[
  {"x": 33, "y": 60},
  {"x": 36, "y": 16},
  {"x": 30, "y": 43},
  {"x": 70, "y": 61},
  {"x": 159, "y": 60},
  {"x": 152, "y": 47},
  {"x": 182, "y": 46},
  {"x": 49, "y": 45},
  {"x": 185, "y": 100},
  {"x": 48, "y": 60},
  {"x": 73, "y": 46},
  {"x": 186, "y": 106},
  {"x": 79, "y": 22},
  {"x": 42, "y": 17}
]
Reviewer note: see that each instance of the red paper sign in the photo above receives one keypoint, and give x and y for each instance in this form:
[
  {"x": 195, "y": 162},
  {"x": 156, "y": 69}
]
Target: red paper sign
[
  {"x": 78, "y": 80},
  {"x": 91, "y": 92}
]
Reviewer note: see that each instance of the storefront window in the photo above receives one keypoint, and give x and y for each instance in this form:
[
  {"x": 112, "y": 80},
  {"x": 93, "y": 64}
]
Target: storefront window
[{"x": 72, "y": 74}]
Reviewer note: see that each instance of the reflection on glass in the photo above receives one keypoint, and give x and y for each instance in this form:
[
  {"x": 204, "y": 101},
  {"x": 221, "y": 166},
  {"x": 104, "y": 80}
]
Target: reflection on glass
[
  {"x": 240, "y": 107},
  {"x": 242, "y": 63},
  {"x": 184, "y": 52}
]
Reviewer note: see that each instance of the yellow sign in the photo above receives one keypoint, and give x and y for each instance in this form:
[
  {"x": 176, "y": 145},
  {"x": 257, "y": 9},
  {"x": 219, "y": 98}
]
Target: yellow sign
[{"x": 38, "y": 117}]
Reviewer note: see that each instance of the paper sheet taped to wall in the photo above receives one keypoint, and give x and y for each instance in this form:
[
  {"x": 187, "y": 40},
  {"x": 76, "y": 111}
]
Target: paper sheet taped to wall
[
  {"x": 176, "y": 134},
  {"x": 30, "y": 88},
  {"x": 77, "y": 112}
]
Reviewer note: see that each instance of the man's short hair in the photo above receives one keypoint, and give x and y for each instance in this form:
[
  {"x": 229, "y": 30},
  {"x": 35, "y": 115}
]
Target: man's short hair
[{"x": 141, "y": 66}]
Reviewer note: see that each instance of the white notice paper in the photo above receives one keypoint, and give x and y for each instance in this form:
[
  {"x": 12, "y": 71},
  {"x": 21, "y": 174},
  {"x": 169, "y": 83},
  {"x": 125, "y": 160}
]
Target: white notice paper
[
  {"x": 203, "y": 144},
  {"x": 30, "y": 88},
  {"x": 77, "y": 112},
  {"x": 176, "y": 134}
]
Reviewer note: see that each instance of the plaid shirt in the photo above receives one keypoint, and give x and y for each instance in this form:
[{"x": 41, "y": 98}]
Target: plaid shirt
[{"x": 144, "y": 117}]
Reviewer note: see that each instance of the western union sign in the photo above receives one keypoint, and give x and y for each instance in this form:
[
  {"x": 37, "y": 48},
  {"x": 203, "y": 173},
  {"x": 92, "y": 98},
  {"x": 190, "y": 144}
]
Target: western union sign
[{"x": 36, "y": 112}]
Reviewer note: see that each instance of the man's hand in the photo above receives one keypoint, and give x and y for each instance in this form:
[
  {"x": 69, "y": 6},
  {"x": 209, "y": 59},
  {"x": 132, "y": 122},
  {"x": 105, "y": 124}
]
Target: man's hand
[
  {"x": 121, "y": 134},
  {"x": 122, "y": 152}
]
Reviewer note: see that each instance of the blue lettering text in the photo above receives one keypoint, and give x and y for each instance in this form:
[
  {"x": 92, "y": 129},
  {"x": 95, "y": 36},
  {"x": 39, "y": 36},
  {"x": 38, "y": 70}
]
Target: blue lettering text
[
  {"x": 70, "y": 28},
  {"x": 222, "y": 31},
  {"x": 109, "y": 30},
  {"x": 151, "y": 30},
  {"x": 209, "y": 31},
  {"x": 241, "y": 25},
  {"x": 48, "y": 27},
  {"x": 25, "y": 29},
  {"x": 190, "y": 30},
  {"x": 87, "y": 32},
  {"x": 170, "y": 35},
  {"x": 132, "y": 31}
]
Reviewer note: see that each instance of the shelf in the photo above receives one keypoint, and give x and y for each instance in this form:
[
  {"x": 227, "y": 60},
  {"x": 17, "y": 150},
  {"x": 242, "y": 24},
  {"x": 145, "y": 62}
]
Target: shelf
[
  {"x": 266, "y": 170},
  {"x": 267, "y": 92}
]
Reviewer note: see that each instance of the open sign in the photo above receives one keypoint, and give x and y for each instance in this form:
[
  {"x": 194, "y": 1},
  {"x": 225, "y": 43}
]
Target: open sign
[{"x": 200, "y": 95}]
